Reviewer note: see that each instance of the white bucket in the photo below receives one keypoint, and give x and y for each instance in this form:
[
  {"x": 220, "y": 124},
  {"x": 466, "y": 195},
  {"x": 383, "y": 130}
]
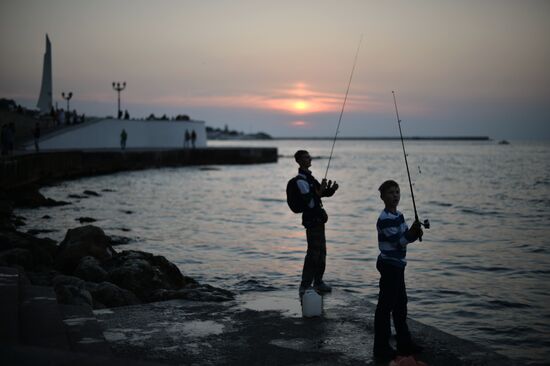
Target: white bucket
[{"x": 312, "y": 303}]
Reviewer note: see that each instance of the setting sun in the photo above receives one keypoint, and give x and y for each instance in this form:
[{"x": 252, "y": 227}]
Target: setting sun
[{"x": 301, "y": 105}]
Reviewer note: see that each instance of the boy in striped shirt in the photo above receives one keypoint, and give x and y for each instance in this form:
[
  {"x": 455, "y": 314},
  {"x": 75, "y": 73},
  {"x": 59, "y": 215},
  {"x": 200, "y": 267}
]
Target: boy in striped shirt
[{"x": 393, "y": 238}]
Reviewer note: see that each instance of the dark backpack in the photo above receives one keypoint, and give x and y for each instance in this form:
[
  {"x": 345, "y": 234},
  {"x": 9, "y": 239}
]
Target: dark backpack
[{"x": 294, "y": 196}]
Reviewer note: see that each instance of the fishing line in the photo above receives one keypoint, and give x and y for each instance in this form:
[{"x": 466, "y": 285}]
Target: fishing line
[
  {"x": 426, "y": 222},
  {"x": 343, "y": 105}
]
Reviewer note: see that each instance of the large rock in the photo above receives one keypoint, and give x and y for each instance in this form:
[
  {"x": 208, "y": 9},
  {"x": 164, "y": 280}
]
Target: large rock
[
  {"x": 17, "y": 257},
  {"x": 110, "y": 295},
  {"x": 83, "y": 241},
  {"x": 89, "y": 269},
  {"x": 42, "y": 250},
  {"x": 72, "y": 290},
  {"x": 143, "y": 273}
]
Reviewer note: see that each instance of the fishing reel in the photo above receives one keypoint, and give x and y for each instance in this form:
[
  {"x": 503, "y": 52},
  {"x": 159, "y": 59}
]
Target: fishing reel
[{"x": 426, "y": 223}]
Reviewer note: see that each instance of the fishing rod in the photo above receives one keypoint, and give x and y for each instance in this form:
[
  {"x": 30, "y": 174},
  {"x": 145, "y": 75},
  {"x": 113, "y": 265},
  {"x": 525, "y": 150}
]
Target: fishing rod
[
  {"x": 426, "y": 222},
  {"x": 343, "y": 105}
]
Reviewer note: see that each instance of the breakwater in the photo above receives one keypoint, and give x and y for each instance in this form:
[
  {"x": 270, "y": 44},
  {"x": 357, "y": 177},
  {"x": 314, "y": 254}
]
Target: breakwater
[{"x": 37, "y": 168}]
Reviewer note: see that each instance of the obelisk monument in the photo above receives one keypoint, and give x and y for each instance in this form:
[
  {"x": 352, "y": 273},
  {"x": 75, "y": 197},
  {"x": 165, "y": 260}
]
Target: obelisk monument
[{"x": 45, "y": 99}]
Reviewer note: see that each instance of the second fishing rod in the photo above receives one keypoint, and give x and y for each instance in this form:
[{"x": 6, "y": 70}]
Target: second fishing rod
[{"x": 426, "y": 222}]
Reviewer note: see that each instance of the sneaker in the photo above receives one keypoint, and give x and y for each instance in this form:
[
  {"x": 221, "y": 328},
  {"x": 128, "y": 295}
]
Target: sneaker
[
  {"x": 384, "y": 354},
  {"x": 301, "y": 291},
  {"x": 322, "y": 287},
  {"x": 410, "y": 348}
]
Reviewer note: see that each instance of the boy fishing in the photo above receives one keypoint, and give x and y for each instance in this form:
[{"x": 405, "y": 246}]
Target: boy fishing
[
  {"x": 393, "y": 238},
  {"x": 314, "y": 218}
]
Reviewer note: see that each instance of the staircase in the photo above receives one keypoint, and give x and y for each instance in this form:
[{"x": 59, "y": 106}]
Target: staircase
[{"x": 36, "y": 330}]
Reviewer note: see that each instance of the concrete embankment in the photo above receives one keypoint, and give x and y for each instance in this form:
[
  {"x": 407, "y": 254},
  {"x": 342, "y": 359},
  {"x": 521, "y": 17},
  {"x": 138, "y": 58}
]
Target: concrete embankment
[{"x": 25, "y": 169}]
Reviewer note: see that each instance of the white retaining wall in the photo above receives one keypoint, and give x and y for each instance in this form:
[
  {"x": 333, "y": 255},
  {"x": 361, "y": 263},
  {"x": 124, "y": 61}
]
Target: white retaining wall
[{"x": 141, "y": 134}]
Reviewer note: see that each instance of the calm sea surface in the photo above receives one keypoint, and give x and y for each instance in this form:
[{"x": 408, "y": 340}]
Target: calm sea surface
[{"x": 481, "y": 273}]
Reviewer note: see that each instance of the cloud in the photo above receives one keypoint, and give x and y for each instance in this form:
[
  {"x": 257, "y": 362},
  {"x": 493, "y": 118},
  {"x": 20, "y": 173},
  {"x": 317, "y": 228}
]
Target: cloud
[{"x": 297, "y": 99}]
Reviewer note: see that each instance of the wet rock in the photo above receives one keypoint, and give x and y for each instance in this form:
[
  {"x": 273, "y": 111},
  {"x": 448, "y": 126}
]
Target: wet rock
[
  {"x": 41, "y": 250},
  {"x": 6, "y": 208},
  {"x": 71, "y": 290},
  {"x": 77, "y": 196},
  {"x": 91, "y": 193},
  {"x": 42, "y": 278},
  {"x": 199, "y": 293},
  {"x": 6, "y": 211},
  {"x": 18, "y": 222},
  {"x": 120, "y": 240},
  {"x": 83, "y": 220},
  {"x": 39, "y": 231},
  {"x": 81, "y": 242},
  {"x": 17, "y": 256},
  {"x": 46, "y": 217},
  {"x": 144, "y": 273},
  {"x": 127, "y": 212},
  {"x": 89, "y": 269},
  {"x": 107, "y": 190},
  {"x": 106, "y": 294}
]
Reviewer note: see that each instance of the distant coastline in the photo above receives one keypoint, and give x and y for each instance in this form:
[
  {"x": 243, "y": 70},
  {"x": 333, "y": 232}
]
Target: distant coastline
[{"x": 429, "y": 138}]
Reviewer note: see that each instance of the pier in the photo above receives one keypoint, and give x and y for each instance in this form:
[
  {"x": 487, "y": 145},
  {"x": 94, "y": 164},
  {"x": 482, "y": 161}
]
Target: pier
[{"x": 39, "y": 168}]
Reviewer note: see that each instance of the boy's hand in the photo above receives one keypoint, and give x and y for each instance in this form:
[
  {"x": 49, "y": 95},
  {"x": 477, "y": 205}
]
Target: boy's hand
[{"x": 416, "y": 230}]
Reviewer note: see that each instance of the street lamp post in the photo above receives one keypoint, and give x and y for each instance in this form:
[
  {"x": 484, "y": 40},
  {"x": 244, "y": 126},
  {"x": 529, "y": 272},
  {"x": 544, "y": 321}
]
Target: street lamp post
[
  {"x": 119, "y": 87},
  {"x": 67, "y": 97}
]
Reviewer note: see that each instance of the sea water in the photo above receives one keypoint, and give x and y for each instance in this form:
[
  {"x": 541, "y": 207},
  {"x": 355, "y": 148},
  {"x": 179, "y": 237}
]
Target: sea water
[{"x": 482, "y": 271}]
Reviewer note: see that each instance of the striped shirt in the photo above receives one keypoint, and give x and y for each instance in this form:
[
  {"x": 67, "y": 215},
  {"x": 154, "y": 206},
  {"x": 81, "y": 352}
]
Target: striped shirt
[{"x": 392, "y": 238}]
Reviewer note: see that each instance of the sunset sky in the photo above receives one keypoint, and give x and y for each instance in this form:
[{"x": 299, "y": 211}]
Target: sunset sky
[{"x": 282, "y": 67}]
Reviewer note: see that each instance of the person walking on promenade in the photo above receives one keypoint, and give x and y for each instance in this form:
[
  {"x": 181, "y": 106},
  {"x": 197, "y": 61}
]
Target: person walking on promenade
[
  {"x": 314, "y": 218},
  {"x": 393, "y": 238},
  {"x": 36, "y": 134},
  {"x": 186, "y": 139},
  {"x": 193, "y": 138},
  {"x": 123, "y": 138}
]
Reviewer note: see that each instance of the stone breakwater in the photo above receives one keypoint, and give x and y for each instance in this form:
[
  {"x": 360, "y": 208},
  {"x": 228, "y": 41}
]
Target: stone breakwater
[{"x": 26, "y": 169}]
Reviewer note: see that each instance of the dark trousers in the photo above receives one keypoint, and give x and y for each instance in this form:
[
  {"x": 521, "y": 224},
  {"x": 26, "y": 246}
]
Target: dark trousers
[
  {"x": 314, "y": 264},
  {"x": 392, "y": 300}
]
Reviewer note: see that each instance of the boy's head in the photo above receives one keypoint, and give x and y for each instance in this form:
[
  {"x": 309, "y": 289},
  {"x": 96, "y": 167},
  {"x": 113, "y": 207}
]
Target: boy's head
[
  {"x": 390, "y": 194},
  {"x": 303, "y": 158}
]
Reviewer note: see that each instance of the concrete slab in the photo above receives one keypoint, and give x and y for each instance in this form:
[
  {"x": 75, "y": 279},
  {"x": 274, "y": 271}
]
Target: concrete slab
[
  {"x": 11, "y": 355},
  {"x": 40, "y": 320},
  {"x": 9, "y": 305},
  {"x": 267, "y": 329},
  {"x": 83, "y": 330}
]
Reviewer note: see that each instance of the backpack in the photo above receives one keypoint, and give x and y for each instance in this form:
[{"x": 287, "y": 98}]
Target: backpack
[{"x": 294, "y": 196}]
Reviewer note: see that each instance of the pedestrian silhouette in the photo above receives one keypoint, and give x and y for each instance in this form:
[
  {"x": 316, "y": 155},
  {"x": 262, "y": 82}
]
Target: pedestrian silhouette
[
  {"x": 186, "y": 139},
  {"x": 123, "y": 138},
  {"x": 193, "y": 138},
  {"x": 36, "y": 134}
]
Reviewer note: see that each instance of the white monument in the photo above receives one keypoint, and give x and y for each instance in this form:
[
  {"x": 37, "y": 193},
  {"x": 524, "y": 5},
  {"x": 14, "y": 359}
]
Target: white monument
[{"x": 45, "y": 99}]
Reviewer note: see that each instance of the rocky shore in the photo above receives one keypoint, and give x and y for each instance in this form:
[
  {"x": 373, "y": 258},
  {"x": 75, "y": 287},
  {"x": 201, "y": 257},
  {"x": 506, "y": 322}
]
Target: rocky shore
[{"x": 86, "y": 269}]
